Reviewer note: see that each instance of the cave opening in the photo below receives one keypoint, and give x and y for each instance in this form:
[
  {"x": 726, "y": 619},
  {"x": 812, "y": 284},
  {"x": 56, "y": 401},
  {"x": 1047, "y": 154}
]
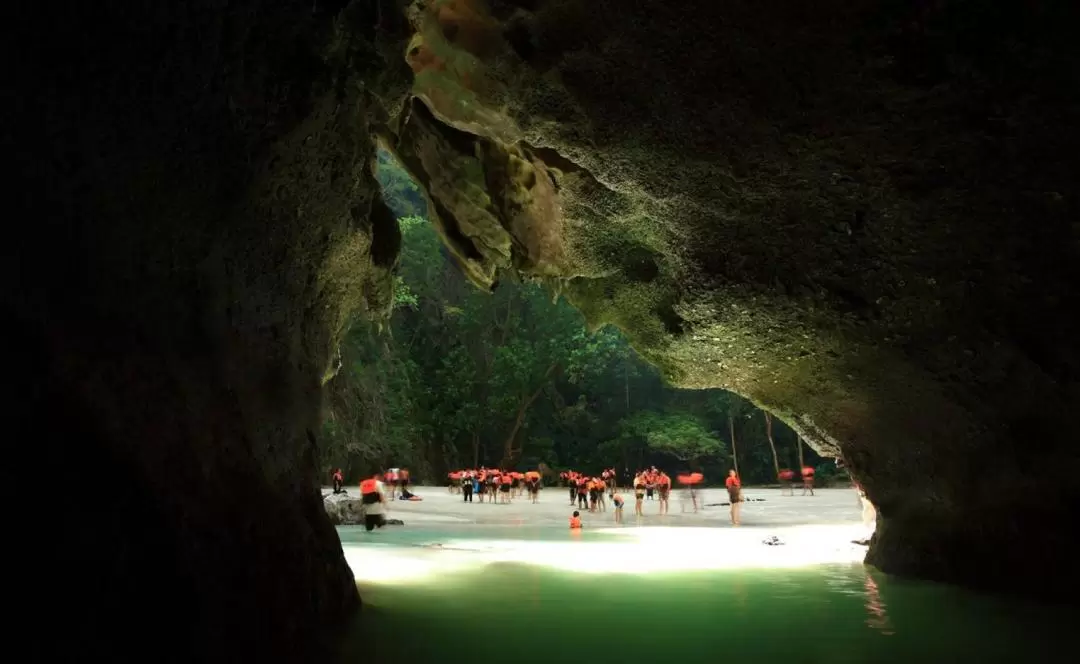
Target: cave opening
[{"x": 870, "y": 232}]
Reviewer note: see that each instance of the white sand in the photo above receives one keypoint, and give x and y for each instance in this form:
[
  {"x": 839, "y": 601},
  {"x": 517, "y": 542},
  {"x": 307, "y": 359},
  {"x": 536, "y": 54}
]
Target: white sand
[
  {"x": 827, "y": 507},
  {"x": 814, "y": 530}
]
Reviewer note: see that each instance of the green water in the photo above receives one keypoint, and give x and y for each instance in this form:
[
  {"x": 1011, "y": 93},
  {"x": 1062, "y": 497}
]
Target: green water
[{"x": 828, "y": 613}]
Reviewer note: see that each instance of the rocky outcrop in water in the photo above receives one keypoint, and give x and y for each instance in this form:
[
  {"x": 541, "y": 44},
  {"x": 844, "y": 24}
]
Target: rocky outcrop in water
[
  {"x": 860, "y": 214},
  {"x": 343, "y": 510}
]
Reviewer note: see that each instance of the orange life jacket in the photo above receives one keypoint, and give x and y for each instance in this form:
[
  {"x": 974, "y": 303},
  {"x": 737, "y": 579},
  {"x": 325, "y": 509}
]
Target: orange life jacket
[
  {"x": 368, "y": 486},
  {"x": 575, "y": 522}
]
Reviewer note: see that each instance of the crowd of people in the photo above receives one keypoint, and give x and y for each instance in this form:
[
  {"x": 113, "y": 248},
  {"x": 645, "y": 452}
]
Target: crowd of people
[
  {"x": 586, "y": 492},
  {"x": 494, "y": 485}
]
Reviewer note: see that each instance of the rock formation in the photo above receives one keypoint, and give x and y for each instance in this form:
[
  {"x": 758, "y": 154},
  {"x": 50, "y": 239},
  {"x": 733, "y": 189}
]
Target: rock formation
[
  {"x": 861, "y": 214},
  {"x": 343, "y": 510}
]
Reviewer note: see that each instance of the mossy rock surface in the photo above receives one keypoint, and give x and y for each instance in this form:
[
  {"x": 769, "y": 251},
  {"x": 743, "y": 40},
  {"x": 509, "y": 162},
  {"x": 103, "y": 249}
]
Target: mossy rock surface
[{"x": 858, "y": 214}]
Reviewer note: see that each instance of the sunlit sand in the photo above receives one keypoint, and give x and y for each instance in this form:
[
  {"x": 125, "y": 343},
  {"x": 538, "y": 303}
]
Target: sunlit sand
[{"x": 443, "y": 535}]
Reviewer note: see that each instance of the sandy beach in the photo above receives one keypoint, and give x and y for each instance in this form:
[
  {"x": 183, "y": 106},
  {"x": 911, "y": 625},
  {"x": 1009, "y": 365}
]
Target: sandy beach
[{"x": 769, "y": 511}]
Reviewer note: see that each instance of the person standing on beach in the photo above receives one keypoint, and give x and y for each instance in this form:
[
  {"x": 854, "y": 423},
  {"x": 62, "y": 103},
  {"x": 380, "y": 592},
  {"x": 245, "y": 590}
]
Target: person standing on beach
[
  {"x": 807, "y": 479},
  {"x": 466, "y": 487},
  {"x": 639, "y": 494},
  {"x": 734, "y": 490},
  {"x": 663, "y": 487},
  {"x": 339, "y": 479},
  {"x": 787, "y": 476}
]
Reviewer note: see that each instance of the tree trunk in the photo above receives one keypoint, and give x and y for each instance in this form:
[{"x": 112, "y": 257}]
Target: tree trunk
[
  {"x": 476, "y": 450},
  {"x": 798, "y": 444},
  {"x": 734, "y": 453},
  {"x": 772, "y": 445},
  {"x": 509, "y": 453}
]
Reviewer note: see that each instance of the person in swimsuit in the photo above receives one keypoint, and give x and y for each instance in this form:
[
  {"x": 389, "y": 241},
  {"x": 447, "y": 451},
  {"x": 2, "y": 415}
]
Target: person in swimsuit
[
  {"x": 734, "y": 490},
  {"x": 617, "y": 501},
  {"x": 639, "y": 494}
]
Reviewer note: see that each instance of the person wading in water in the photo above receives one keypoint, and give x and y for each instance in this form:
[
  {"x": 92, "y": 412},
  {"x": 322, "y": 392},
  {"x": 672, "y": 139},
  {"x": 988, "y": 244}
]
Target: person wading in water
[
  {"x": 734, "y": 491},
  {"x": 374, "y": 502}
]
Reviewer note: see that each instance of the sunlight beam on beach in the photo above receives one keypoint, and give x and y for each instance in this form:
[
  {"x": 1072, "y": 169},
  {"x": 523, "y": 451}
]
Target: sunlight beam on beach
[{"x": 643, "y": 551}]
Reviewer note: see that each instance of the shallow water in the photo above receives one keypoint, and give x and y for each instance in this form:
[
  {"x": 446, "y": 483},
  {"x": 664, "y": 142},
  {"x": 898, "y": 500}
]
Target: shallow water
[{"x": 540, "y": 595}]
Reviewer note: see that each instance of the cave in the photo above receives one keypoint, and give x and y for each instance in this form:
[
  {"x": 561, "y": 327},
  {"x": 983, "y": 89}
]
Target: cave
[{"x": 860, "y": 215}]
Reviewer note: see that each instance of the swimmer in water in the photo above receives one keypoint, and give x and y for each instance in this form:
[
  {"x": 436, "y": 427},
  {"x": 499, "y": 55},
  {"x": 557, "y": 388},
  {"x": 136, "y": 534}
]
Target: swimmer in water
[{"x": 575, "y": 521}]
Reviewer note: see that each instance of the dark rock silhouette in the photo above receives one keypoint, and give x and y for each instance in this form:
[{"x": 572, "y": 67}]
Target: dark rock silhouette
[{"x": 860, "y": 214}]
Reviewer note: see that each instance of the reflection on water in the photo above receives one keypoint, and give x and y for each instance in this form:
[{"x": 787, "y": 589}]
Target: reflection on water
[
  {"x": 542, "y": 609},
  {"x": 875, "y": 607}
]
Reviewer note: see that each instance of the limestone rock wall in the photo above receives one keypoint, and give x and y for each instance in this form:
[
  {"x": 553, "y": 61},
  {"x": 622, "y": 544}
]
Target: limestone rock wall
[
  {"x": 862, "y": 215},
  {"x": 198, "y": 224}
]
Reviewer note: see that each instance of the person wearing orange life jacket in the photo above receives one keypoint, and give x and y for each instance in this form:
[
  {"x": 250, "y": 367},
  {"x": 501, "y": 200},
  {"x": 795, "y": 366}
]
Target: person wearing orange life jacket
[
  {"x": 807, "y": 480},
  {"x": 532, "y": 481},
  {"x": 582, "y": 492},
  {"x": 506, "y": 483},
  {"x": 371, "y": 496},
  {"x": 339, "y": 480},
  {"x": 575, "y": 521},
  {"x": 663, "y": 487},
  {"x": 734, "y": 489},
  {"x": 787, "y": 475},
  {"x": 601, "y": 487},
  {"x": 391, "y": 479}
]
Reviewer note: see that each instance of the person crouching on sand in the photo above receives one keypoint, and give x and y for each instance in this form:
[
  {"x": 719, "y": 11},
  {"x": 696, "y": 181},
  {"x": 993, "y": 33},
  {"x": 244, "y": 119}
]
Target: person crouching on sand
[{"x": 734, "y": 491}]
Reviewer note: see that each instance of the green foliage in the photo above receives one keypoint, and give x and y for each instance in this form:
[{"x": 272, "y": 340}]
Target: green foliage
[
  {"x": 680, "y": 434},
  {"x": 463, "y": 377}
]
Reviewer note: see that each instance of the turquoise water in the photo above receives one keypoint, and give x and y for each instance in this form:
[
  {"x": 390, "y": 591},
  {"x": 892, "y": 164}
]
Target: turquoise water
[{"x": 538, "y": 612}]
